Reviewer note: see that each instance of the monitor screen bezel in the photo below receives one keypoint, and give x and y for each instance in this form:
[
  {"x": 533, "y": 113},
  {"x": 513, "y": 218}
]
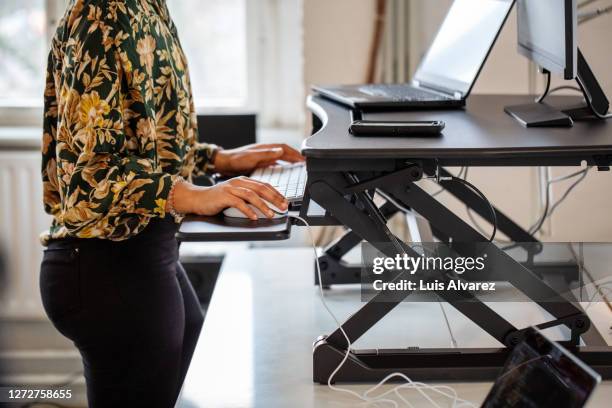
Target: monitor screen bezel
[{"x": 570, "y": 70}]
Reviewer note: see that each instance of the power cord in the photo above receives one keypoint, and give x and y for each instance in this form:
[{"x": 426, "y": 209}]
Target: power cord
[
  {"x": 367, "y": 396},
  {"x": 462, "y": 174},
  {"x": 458, "y": 178},
  {"x": 564, "y": 87},
  {"x": 546, "y": 213},
  {"x": 549, "y": 210},
  {"x": 484, "y": 198},
  {"x": 603, "y": 290},
  {"x": 473, "y": 220},
  {"x": 590, "y": 105},
  {"x": 541, "y": 98},
  {"x": 581, "y": 88}
]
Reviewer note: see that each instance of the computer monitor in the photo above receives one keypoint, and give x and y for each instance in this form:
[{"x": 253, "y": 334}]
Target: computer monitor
[
  {"x": 547, "y": 31},
  {"x": 547, "y": 34}
]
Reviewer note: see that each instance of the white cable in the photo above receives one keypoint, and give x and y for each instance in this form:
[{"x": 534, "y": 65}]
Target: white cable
[
  {"x": 548, "y": 213},
  {"x": 393, "y": 201},
  {"x": 598, "y": 286},
  {"x": 601, "y": 289},
  {"x": 524, "y": 363},
  {"x": 569, "y": 176},
  {"x": 551, "y": 209},
  {"x": 329, "y": 311},
  {"x": 365, "y": 397},
  {"x": 406, "y": 210},
  {"x": 448, "y": 326}
]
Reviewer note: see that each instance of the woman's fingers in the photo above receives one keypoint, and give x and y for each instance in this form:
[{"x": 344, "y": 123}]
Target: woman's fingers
[
  {"x": 252, "y": 198},
  {"x": 291, "y": 155},
  {"x": 265, "y": 190},
  {"x": 271, "y": 154},
  {"x": 265, "y": 164},
  {"x": 241, "y": 205},
  {"x": 288, "y": 153}
]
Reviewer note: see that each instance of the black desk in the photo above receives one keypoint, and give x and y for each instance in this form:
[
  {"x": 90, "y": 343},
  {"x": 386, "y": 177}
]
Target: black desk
[
  {"x": 482, "y": 134},
  {"x": 343, "y": 173}
]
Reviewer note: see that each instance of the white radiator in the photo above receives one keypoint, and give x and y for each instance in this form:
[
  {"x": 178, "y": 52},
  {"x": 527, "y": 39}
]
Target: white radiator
[{"x": 22, "y": 218}]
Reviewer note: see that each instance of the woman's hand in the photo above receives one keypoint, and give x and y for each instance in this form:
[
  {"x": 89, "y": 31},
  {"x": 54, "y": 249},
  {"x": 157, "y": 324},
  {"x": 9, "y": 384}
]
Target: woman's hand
[
  {"x": 244, "y": 160},
  {"x": 236, "y": 193}
]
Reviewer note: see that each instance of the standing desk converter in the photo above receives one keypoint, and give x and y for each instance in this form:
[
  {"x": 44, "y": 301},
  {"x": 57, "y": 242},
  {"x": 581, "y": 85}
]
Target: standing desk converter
[{"x": 343, "y": 173}]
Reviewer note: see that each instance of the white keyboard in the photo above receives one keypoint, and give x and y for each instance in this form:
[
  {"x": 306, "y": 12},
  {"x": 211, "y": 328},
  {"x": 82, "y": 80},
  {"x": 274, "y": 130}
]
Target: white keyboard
[{"x": 288, "y": 179}]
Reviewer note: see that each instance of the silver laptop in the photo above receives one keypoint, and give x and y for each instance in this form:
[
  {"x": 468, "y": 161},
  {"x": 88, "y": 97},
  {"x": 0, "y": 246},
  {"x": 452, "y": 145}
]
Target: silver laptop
[{"x": 449, "y": 69}]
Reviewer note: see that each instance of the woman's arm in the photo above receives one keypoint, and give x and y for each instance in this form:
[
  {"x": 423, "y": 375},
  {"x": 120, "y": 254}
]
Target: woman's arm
[
  {"x": 236, "y": 193},
  {"x": 107, "y": 169}
]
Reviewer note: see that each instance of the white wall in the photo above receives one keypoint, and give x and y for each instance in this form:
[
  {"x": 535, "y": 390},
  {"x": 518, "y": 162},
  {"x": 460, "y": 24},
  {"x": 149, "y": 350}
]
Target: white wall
[
  {"x": 587, "y": 213},
  {"x": 337, "y": 37}
]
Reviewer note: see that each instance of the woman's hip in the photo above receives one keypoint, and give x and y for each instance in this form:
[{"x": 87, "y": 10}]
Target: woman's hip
[{"x": 101, "y": 288}]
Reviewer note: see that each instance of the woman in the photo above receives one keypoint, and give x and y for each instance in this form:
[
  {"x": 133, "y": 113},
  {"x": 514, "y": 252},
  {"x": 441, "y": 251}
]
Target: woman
[{"x": 119, "y": 145}]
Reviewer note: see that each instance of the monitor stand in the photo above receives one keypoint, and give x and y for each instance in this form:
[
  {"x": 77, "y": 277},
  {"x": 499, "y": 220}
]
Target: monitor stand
[
  {"x": 543, "y": 115},
  {"x": 539, "y": 115}
]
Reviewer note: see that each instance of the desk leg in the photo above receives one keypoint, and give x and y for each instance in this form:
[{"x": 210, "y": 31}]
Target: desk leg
[
  {"x": 337, "y": 272},
  {"x": 365, "y": 225},
  {"x": 334, "y": 270},
  {"x": 365, "y": 220}
]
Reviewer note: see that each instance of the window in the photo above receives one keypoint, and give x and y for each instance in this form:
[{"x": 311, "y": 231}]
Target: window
[
  {"x": 23, "y": 49},
  {"x": 214, "y": 36},
  {"x": 243, "y": 55}
]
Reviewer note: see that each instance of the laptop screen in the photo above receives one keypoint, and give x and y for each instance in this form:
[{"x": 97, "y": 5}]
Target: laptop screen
[
  {"x": 540, "y": 373},
  {"x": 462, "y": 44}
]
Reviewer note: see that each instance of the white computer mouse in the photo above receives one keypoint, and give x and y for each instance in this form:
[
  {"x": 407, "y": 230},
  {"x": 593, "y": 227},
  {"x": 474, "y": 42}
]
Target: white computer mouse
[{"x": 235, "y": 213}]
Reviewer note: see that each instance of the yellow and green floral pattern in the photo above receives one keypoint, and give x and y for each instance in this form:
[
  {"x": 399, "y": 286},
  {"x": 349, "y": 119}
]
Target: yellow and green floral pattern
[{"x": 119, "y": 121}]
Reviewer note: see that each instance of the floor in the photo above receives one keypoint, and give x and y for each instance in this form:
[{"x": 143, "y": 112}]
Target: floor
[
  {"x": 34, "y": 352},
  {"x": 256, "y": 345}
]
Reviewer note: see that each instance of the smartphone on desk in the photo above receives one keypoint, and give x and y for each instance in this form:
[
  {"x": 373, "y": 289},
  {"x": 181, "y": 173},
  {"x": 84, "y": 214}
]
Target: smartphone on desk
[{"x": 396, "y": 128}]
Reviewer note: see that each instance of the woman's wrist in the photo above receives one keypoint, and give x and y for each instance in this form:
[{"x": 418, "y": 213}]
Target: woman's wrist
[
  {"x": 179, "y": 199},
  {"x": 221, "y": 161}
]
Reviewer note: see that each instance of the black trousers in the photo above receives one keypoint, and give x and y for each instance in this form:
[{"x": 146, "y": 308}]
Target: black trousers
[{"x": 129, "y": 309}]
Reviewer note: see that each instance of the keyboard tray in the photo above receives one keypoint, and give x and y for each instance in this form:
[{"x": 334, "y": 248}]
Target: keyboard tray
[{"x": 220, "y": 228}]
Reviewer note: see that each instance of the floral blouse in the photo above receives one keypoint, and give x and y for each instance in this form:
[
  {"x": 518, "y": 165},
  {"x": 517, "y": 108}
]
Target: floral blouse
[{"x": 119, "y": 122}]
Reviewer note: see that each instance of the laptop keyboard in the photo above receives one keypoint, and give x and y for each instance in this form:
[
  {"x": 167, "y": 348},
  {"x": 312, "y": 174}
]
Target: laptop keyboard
[
  {"x": 288, "y": 179},
  {"x": 401, "y": 93}
]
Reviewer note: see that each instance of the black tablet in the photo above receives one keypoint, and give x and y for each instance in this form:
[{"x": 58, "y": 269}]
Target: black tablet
[{"x": 540, "y": 373}]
